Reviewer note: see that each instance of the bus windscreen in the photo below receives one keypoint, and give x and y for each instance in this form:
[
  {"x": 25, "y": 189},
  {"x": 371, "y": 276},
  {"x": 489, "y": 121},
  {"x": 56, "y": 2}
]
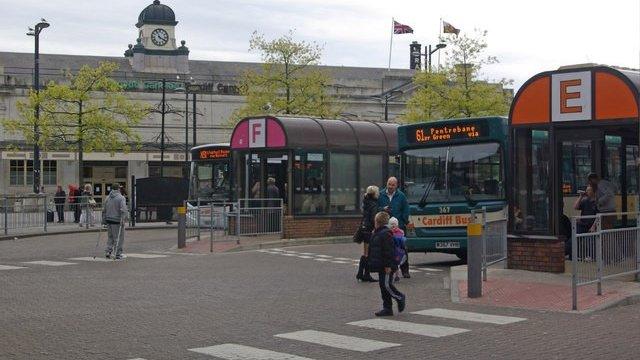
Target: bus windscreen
[{"x": 448, "y": 173}]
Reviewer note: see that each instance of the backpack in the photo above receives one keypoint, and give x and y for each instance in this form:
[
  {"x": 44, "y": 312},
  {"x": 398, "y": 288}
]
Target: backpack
[{"x": 399, "y": 251}]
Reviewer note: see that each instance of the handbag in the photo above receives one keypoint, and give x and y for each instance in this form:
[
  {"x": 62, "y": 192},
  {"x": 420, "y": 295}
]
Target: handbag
[
  {"x": 92, "y": 202},
  {"x": 361, "y": 234}
]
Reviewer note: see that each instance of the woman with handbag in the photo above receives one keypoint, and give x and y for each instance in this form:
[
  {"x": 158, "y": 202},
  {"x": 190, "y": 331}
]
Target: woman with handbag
[{"x": 363, "y": 234}]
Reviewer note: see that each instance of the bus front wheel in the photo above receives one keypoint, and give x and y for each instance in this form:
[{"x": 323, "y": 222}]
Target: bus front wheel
[{"x": 462, "y": 255}]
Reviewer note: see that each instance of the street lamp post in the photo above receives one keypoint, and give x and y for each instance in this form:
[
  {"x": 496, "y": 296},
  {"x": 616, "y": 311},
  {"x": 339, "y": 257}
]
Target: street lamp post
[
  {"x": 386, "y": 96},
  {"x": 164, "y": 83},
  {"x": 430, "y": 52},
  {"x": 43, "y": 24},
  {"x": 187, "y": 84}
]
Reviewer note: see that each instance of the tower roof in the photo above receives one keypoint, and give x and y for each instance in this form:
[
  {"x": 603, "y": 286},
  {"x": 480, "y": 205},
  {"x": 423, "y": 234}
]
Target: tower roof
[{"x": 158, "y": 14}]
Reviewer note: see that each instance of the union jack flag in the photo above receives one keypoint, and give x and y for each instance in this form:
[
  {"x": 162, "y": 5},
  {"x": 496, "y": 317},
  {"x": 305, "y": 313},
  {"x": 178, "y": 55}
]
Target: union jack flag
[{"x": 401, "y": 28}]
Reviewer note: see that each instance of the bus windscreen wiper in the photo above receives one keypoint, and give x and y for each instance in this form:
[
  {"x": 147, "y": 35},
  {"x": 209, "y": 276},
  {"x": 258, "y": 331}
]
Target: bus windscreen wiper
[{"x": 425, "y": 195}]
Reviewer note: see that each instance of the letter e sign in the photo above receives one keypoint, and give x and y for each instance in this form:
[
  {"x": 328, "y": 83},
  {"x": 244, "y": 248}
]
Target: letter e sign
[
  {"x": 571, "y": 96},
  {"x": 257, "y": 129}
]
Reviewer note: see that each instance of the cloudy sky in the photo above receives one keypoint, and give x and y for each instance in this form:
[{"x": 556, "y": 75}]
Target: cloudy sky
[{"x": 527, "y": 37}]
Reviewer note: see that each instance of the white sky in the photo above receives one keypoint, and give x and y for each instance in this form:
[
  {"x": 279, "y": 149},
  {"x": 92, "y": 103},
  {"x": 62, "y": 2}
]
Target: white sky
[{"x": 527, "y": 37}]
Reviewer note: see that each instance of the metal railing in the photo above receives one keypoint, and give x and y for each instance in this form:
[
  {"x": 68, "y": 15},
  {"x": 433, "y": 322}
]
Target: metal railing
[
  {"x": 494, "y": 237},
  {"x": 259, "y": 216},
  {"x": 245, "y": 217},
  {"x": 603, "y": 246},
  {"x": 20, "y": 214}
]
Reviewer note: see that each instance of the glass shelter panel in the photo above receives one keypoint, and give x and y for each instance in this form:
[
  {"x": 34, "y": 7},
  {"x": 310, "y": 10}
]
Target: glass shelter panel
[
  {"x": 344, "y": 183},
  {"x": 532, "y": 198},
  {"x": 370, "y": 172},
  {"x": 309, "y": 183}
]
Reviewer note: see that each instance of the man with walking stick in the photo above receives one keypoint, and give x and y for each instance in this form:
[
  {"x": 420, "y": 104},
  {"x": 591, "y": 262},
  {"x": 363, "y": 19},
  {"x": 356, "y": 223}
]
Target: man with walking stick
[{"x": 114, "y": 215}]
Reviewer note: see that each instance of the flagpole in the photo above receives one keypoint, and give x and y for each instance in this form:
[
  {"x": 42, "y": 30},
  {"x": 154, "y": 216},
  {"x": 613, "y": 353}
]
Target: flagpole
[
  {"x": 390, "y": 45},
  {"x": 439, "y": 36}
]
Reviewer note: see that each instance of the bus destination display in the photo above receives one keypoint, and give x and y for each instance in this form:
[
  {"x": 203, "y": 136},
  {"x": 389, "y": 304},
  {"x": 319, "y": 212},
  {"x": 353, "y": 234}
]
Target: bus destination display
[
  {"x": 213, "y": 154},
  {"x": 446, "y": 132}
]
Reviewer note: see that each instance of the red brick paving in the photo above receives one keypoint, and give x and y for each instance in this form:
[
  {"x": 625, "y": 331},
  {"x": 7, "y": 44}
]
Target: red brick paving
[{"x": 539, "y": 296}]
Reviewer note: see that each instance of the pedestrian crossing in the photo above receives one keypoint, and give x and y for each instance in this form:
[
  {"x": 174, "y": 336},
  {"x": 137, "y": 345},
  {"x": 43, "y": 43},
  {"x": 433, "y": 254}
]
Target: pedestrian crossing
[
  {"x": 344, "y": 341},
  {"x": 75, "y": 261},
  {"x": 337, "y": 260}
]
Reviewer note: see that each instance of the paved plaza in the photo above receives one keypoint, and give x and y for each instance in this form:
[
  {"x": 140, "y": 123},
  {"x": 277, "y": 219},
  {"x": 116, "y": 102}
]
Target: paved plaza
[{"x": 278, "y": 303}]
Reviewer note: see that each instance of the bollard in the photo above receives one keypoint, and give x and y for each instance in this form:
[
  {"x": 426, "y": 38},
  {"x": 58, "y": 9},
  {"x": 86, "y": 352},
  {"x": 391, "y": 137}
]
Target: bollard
[
  {"x": 474, "y": 260},
  {"x": 6, "y": 216},
  {"x": 211, "y": 227},
  {"x": 182, "y": 227}
]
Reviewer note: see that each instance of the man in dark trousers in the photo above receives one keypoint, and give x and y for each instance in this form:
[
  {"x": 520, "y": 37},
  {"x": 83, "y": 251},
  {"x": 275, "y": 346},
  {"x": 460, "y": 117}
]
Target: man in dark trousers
[
  {"x": 382, "y": 260},
  {"x": 59, "y": 199},
  {"x": 395, "y": 203}
]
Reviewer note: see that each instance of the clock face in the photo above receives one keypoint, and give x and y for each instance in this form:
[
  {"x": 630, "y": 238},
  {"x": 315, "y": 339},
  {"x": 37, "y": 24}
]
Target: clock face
[{"x": 159, "y": 37}]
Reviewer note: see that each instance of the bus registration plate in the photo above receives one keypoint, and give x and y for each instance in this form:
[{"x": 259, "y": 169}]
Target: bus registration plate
[{"x": 447, "y": 245}]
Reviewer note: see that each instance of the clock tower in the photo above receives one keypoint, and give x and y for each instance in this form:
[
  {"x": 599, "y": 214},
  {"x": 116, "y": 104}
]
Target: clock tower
[{"x": 156, "y": 50}]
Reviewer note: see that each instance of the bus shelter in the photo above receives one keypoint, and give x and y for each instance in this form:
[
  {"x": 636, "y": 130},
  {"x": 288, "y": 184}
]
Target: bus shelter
[
  {"x": 320, "y": 167},
  {"x": 564, "y": 125}
]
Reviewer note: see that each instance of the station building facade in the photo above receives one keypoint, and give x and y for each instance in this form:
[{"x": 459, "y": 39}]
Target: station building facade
[{"x": 157, "y": 55}]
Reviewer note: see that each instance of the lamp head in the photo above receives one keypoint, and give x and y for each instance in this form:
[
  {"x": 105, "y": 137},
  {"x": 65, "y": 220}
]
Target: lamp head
[{"x": 441, "y": 46}]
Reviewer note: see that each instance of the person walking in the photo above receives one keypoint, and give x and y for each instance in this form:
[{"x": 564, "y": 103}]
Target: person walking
[
  {"x": 381, "y": 260},
  {"x": 114, "y": 214},
  {"x": 369, "y": 210},
  {"x": 59, "y": 199},
  {"x": 395, "y": 203}
]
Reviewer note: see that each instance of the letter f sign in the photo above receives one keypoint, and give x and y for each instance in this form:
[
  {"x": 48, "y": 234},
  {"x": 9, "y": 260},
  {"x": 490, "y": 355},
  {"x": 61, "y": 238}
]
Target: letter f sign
[{"x": 256, "y": 133}]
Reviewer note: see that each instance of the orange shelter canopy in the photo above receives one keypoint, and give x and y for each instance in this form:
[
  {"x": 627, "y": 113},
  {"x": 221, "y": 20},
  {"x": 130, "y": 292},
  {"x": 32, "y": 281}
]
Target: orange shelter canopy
[{"x": 590, "y": 93}]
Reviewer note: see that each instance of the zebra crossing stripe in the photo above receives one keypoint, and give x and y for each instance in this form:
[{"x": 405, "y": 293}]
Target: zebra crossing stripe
[
  {"x": 337, "y": 341},
  {"x": 100, "y": 258},
  {"x": 429, "y": 269},
  {"x": 339, "y": 262},
  {"x": 48, "y": 263},
  {"x": 469, "y": 316},
  {"x": 9, "y": 267},
  {"x": 324, "y": 256},
  {"x": 409, "y": 328},
  {"x": 146, "y": 256},
  {"x": 241, "y": 352},
  {"x": 320, "y": 259},
  {"x": 305, "y": 257},
  {"x": 345, "y": 259}
]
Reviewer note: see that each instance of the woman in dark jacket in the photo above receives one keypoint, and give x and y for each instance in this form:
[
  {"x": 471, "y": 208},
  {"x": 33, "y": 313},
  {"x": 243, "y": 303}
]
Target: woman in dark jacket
[{"x": 369, "y": 210}]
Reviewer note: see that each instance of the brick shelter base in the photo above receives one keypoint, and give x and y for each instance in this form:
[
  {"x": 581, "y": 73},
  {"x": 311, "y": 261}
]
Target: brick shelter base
[
  {"x": 536, "y": 253},
  {"x": 308, "y": 227},
  {"x": 312, "y": 227}
]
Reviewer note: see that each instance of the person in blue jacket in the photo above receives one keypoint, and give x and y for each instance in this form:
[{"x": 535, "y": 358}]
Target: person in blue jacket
[{"x": 395, "y": 203}]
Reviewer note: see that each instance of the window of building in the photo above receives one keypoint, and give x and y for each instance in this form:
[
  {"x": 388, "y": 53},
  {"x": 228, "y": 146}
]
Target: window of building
[
  {"x": 49, "y": 172},
  {"x": 16, "y": 172},
  {"x": 343, "y": 196},
  {"x": 21, "y": 172},
  {"x": 29, "y": 171},
  {"x": 309, "y": 183}
]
